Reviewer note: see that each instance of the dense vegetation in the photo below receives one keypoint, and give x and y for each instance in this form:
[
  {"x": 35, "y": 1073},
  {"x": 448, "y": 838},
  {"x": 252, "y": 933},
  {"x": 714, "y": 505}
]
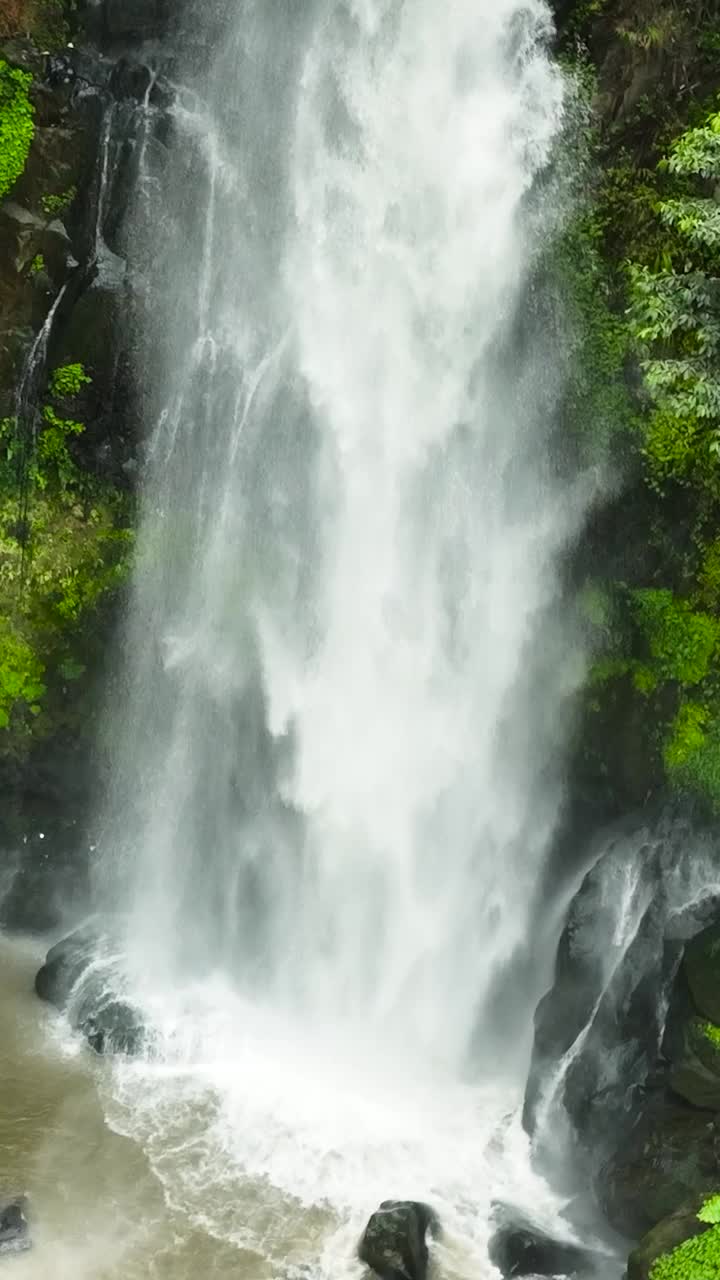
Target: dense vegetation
[
  {"x": 64, "y": 519},
  {"x": 641, "y": 265}
]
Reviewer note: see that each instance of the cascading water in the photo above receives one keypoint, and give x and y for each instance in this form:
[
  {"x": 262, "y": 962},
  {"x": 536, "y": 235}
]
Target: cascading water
[{"x": 336, "y": 763}]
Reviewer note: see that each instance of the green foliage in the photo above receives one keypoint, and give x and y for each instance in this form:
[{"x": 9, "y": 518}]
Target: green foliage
[
  {"x": 682, "y": 642},
  {"x": 710, "y": 1211},
  {"x": 598, "y": 405},
  {"x": 711, "y": 1206},
  {"x": 17, "y": 127},
  {"x": 21, "y": 682},
  {"x": 54, "y": 205},
  {"x": 697, "y": 152},
  {"x": 68, "y": 380},
  {"x": 37, "y": 265},
  {"x": 72, "y": 552},
  {"x": 53, "y": 462},
  {"x": 695, "y": 1259},
  {"x": 692, "y": 753},
  {"x": 699, "y": 1257}
]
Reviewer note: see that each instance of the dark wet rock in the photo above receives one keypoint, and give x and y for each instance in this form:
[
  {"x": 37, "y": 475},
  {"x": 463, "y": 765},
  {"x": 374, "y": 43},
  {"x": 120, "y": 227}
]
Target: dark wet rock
[
  {"x": 60, "y": 71},
  {"x": 130, "y": 79},
  {"x": 134, "y": 18},
  {"x": 394, "y": 1244},
  {"x": 672, "y": 1231},
  {"x": 519, "y": 1248},
  {"x": 22, "y": 52},
  {"x": 65, "y": 964},
  {"x": 79, "y": 978},
  {"x": 695, "y": 1074},
  {"x": 701, "y": 965},
  {"x": 672, "y": 1154},
  {"x": 617, "y": 964},
  {"x": 115, "y": 1027},
  {"x": 14, "y": 1228}
]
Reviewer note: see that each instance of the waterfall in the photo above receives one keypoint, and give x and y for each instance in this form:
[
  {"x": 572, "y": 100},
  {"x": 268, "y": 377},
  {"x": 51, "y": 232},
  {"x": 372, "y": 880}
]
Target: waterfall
[{"x": 337, "y": 742}]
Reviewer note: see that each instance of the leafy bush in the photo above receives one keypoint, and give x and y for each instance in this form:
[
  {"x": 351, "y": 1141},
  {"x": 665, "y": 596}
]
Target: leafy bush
[
  {"x": 68, "y": 380},
  {"x": 682, "y": 642},
  {"x": 17, "y": 126},
  {"x": 21, "y": 672}
]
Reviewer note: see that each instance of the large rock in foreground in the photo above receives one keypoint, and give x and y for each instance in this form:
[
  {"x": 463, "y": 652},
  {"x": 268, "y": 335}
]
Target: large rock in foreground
[
  {"x": 79, "y": 979},
  {"x": 394, "y": 1244},
  {"x": 65, "y": 964}
]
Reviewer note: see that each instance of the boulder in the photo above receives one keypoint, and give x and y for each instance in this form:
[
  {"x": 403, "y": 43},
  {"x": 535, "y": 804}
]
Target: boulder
[
  {"x": 394, "y": 1243},
  {"x": 65, "y": 964},
  {"x": 14, "y": 1229},
  {"x": 701, "y": 965},
  {"x": 79, "y": 978},
  {"x": 520, "y": 1248},
  {"x": 695, "y": 1073},
  {"x": 598, "y": 1032},
  {"x": 114, "y": 1027},
  {"x": 672, "y": 1231},
  {"x": 671, "y": 1155}
]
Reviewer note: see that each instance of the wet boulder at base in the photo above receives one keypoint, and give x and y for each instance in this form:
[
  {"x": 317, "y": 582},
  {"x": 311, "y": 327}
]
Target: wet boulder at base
[
  {"x": 64, "y": 965},
  {"x": 113, "y": 1027},
  {"x": 520, "y": 1248},
  {"x": 78, "y": 978},
  {"x": 14, "y": 1228},
  {"x": 394, "y": 1243}
]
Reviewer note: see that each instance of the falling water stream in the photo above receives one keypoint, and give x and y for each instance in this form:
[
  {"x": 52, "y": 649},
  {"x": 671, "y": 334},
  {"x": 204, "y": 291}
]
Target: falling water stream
[{"x": 338, "y": 742}]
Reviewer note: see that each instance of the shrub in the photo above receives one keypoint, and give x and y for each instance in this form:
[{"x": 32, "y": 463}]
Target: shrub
[{"x": 16, "y": 125}]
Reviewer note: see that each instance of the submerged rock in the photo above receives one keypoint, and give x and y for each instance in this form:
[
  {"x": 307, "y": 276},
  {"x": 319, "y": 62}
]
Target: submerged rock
[
  {"x": 394, "y": 1243},
  {"x": 14, "y": 1228},
  {"x": 519, "y": 1248}
]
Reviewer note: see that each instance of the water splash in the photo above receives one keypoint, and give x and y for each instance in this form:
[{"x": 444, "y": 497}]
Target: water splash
[{"x": 337, "y": 752}]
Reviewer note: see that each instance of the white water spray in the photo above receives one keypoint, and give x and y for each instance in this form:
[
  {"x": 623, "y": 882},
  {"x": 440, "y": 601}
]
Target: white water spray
[{"x": 337, "y": 757}]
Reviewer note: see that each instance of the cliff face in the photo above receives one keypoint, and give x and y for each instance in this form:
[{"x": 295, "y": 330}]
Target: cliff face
[{"x": 73, "y": 99}]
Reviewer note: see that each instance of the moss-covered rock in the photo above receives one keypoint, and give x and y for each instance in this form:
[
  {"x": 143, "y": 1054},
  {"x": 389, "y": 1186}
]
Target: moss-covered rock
[
  {"x": 701, "y": 965},
  {"x": 696, "y": 1073},
  {"x": 671, "y": 1155},
  {"x": 663, "y": 1239}
]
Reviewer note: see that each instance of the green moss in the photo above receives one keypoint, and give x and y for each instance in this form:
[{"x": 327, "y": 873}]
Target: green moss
[
  {"x": 713, "y": 1034},
  {"x": 53, "y": 205},
  {"x": 21, "y": 677},
  {"x": 16, "y": 125}
]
